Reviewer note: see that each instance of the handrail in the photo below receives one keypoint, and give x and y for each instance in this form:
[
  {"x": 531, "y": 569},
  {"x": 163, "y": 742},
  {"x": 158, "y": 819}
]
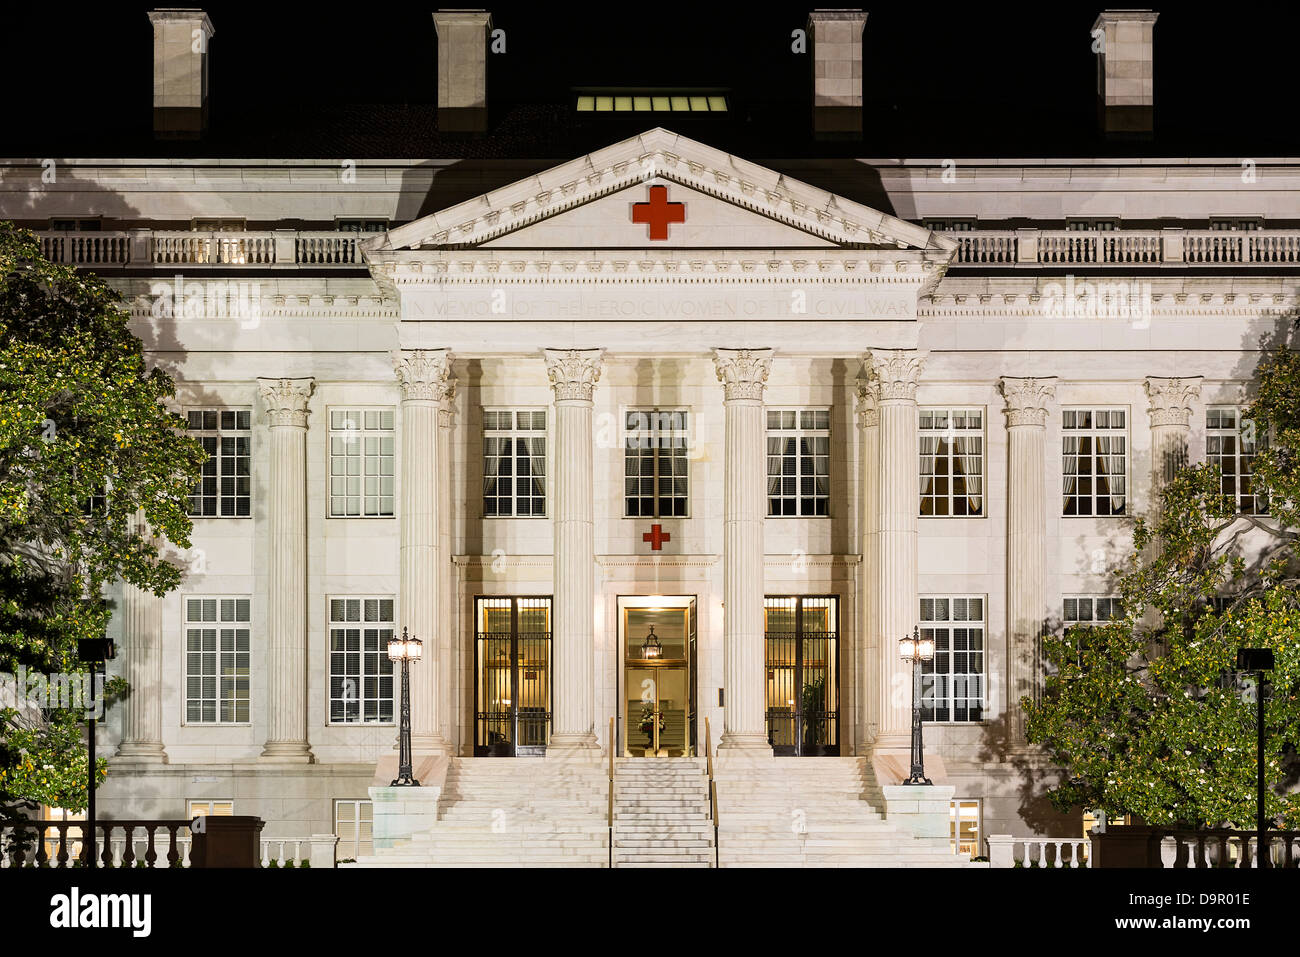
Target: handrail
[
  {"x": 611, "y": 791},
  {"x": 713, "y": 786}
]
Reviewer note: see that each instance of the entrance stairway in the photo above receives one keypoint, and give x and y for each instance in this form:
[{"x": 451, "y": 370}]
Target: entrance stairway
[
  {"x": 814, "y": 812},
  {"x": 661, "y": 813},
  {"x": 521, "y": 812}
]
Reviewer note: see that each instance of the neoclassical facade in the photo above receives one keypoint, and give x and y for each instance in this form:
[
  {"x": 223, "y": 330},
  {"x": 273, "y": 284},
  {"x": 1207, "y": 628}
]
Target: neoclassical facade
[{"x": 658, "y": 440}]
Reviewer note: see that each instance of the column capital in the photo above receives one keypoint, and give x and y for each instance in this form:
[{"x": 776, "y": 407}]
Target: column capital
[
  {"x": 743, "y": 372},
  {"x": 868, "y": 402},
  {"x": 422, "y": 373},
  {"x": 573, "y": 372},
  {"x": 1171, "y": 399},
  {"x": 895, "y": 372},
  {"x": 286, "y": 400},
  {"x": 1027, "y": 399}
]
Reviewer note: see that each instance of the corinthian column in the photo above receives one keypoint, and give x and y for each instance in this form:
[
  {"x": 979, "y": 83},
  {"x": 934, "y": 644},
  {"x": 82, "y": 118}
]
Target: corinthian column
[
  {"x": 744, "y": 373},
  {"x": 423, "y": 377},
  {"x": 868, "y": 509},
  {"x": 573, "y": 374},
  {"x": 1171, "y": 417},
  {"x": 449, "y": 655},
  {"x": 1027, "y": 401},
  {"x": 895, "y": 373},
  {"x": 142, "y": 648},
  {"x": 286, "y": 599}
]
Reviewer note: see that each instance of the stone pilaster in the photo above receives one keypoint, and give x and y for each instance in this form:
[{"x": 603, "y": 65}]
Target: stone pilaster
[
  {"x": 868, "y": 510},
  {"x": 446, "y": 602},
  {"x": 895, "y": 373},
  {"x": 744, "y": 374},
  {"x": 142, "y": 650},
  {"x": 1027, "y": 403},
  {"x": 423, "y": 377},
  {"x": 286, "y": 624},
  {"x": 1171, "y": 419},
  {"x": 573, "y": 374}
]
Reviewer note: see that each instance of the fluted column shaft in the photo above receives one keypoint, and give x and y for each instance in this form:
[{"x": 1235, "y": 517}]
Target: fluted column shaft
[
  {"x": 448, "y": 654},
  {"x": 1171, "y": 417},
  {"x": 744, "y": 373},
  {"x": 573, "y": 374},
  {"x": 895, "y": 373},
  {"x": 869, "y": 508},
  {"x": 286, "y": 625},
  {"x": 142, "y": 650},
  {"x": 423, "y": 377},
  {"x": 1027, "y": 403}
]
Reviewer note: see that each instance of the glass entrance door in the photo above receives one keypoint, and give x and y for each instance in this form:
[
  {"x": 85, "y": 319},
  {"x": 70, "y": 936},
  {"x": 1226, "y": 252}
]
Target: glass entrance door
[
  {"x": 512, "y": 688},
  {"x": 802, "y": 643},
  {"x": 658, "y": 689}
]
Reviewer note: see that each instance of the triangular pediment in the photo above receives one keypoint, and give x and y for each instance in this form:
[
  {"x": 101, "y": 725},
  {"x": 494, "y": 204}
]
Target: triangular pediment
[{"x": 727, "y": 202}]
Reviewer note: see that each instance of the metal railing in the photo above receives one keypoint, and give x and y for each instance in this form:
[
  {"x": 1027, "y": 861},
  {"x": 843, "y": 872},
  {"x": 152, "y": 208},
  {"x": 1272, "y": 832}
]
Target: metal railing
[
  {"x": 1172, "y": 247},
  {"x": 713, "y": 786},
  {"x": 611, "y": 792}
]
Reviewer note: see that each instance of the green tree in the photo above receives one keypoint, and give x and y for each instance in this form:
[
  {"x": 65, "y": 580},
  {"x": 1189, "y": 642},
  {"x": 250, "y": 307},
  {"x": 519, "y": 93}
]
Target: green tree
[
  {"x": 1146, "y": 714},
  {"x": 85, "y": 443}
]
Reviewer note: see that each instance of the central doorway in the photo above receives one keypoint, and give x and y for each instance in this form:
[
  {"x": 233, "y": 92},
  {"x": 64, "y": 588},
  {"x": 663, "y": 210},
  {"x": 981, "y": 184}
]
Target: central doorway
[{"x": 657, "y": 676}]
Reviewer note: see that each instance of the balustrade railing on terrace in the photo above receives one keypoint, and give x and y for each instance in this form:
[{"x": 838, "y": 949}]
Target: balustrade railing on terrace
[
  {"x": 1126, "y": 247},
  {"x": 1008, "y": 851},
  {"x": 149, "y": 844},
  {"x": 150, "y": 249},
  {"x": 1146, "y": 847}
]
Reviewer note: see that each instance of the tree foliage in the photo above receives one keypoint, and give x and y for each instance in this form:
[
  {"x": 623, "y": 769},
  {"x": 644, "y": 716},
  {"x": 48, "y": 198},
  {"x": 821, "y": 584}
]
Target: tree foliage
[
  {"x": 86, "y": 443},
  {"x": 1147, "y": 714}
]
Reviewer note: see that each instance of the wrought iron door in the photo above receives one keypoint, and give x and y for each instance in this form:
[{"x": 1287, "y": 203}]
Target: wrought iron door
[
  {"x": 512, "y": 687},
  {"x": 692, "y": 640},
  {"x": 802, "y": 650}
]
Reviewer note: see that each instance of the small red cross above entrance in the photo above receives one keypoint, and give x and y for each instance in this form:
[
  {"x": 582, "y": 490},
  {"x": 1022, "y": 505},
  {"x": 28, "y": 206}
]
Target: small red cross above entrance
[
  {"x": 656, "y": 537},
  {"x": 658, "y": 213}
]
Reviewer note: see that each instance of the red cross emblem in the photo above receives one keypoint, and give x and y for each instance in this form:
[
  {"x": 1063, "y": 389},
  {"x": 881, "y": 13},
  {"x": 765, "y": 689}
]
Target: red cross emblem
[
  {"x": 658, "y": 213},
  {"x": 656, "y": 537}
]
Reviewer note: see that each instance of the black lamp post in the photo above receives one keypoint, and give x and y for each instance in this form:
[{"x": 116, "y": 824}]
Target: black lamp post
[
  {"x": 405, "y": 649},
  {"x": 916, "y": 650},
  {"x": 1258, "y": 660},
  {"x": 94, "y": 652}
]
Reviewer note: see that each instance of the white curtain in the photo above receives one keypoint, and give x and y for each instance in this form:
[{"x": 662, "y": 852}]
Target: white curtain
[
  {"x": 966, "y": 457},
  {"x": 1110, "y": 462},
  {"x": 536, "y": 446},
  {"x": 1070, "y": 470},
  {"x": 776, "y": 451},
  {"x": 491, "y": 462}
]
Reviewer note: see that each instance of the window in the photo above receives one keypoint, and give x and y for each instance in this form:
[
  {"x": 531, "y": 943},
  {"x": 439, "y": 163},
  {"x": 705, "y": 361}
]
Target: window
[
  {"x": 361, "y": 225},
  {"x": 1094, "y": 461},
  {"x": 224, "y": 486},
  {"x": 361, "y": 674},
  {"x": 1090, "y": 610},
  {"x": 353, "y": 823},
  {"x": 361, "y": 463},
  {"x": 655, "y": 461},
  {"x": 205, "y": 808},
  {"x": 514, "y": 463},
  {"x": 965, "y": 831},
  {"x": 650, "y": 101},
  {"x": 952, "y": 684},
  {"x": 952, "y": 462},
  {"x": 948, "y": 224},
  {"x": 1236, "y": 222},
  {"x": 216, "y": 660},
  {"x": 218, "y": 225},
  {"x": 1091, "y": 223},
  {"x": 798, "y": 461},
  {"x": 75, "y": 225},
  {"x": 1231, "y": 444}
]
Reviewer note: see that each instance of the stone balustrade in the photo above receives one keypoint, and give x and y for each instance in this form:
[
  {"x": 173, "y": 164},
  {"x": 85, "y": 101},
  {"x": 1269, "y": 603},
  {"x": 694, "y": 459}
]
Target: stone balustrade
[
  {"x": 1125, "y": 247},
  {"x": 151, "y": 248},
  {"x": 1008, "y": 851}
]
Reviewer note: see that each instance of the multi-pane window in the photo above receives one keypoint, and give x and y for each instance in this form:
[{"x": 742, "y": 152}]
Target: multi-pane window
[
  {"x": 361, "y": 673},
  {"x": 656, "y": 445},
  {"x": 353, "y": 822},
  {"x": 1231, "y": 443},
  {"x": 514, "y": 463},
  {"x": 361, "y": 225},
  {"x": 204, "y": 808},
  {"x": 216, "y": 659},
  {"x": 798, "y": 461},
  {"x": 1094, "y": 461},
  {"x": 964, "y": 831},
  {"x": 361, "y": 463},
  {"x": 952, "y": 684},
  {"x": 952, "y": 462},
  {"x": 1090, "y": 609},
  {"x": 225, "y": 485}
]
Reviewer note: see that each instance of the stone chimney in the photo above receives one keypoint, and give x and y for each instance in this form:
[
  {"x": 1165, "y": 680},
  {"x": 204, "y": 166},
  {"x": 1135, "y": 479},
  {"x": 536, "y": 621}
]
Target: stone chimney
[
  {"x": 835, "y": 38},
  {"x": 1125, "y": 88},
  {"x": 462, "y": 69},
  {"x": 181, "y": 37}
]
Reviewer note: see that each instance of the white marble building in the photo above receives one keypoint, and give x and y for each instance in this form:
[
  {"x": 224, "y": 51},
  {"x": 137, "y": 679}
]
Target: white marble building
[{"x": 840, "y": 423}]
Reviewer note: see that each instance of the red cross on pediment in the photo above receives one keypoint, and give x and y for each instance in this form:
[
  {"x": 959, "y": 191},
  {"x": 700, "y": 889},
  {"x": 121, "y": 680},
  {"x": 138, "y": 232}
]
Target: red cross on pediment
[
  {"x": 658, "y": 212},
  {"x": 656, "y": 537}
]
